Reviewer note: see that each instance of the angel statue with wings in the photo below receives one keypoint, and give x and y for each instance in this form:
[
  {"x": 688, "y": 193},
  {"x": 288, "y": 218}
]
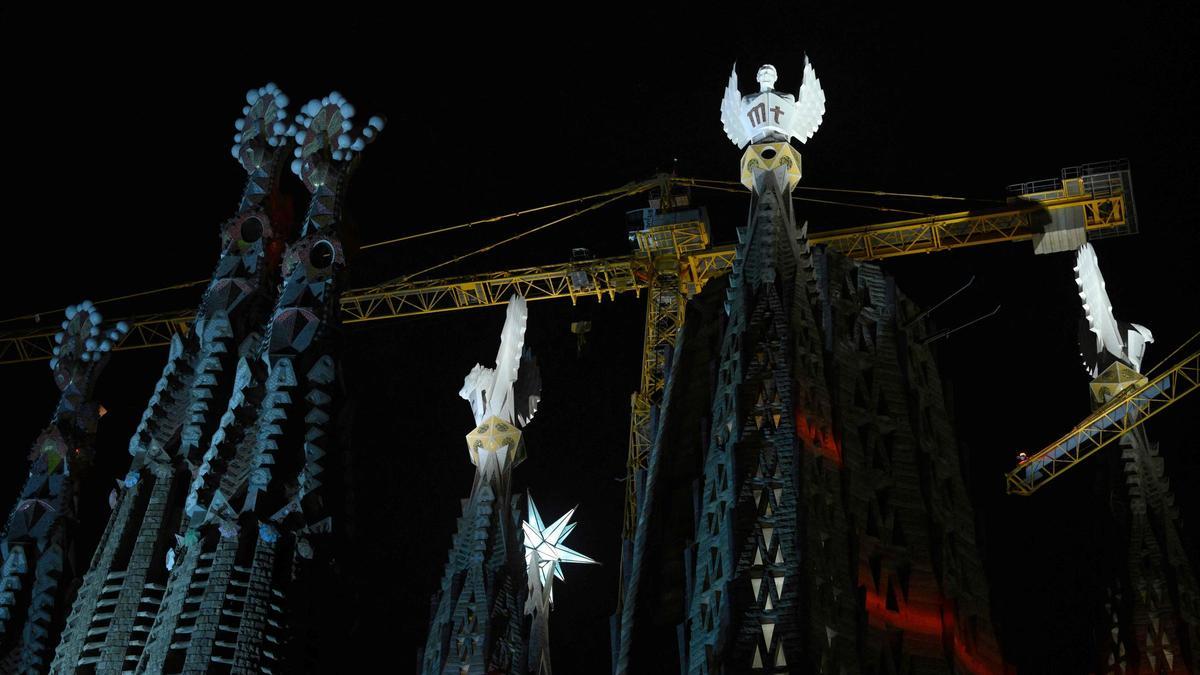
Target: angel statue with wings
[
  {"x": 769, "y": 115},
  {"x": 503, "y": 398}
]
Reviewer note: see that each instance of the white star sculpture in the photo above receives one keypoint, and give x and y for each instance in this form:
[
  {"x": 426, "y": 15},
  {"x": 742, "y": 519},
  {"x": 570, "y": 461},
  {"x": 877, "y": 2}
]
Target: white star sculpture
[{"x": 545, "y": 542}]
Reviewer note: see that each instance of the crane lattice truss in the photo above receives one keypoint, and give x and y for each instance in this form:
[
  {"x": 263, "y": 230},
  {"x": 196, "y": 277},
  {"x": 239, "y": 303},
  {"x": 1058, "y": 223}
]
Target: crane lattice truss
[
  {"x": 605, "y": 277},
  {"x": 673, "y": 261},
  {"x": 959, "y": 230},
  {"x": 1109, "y": 423}
]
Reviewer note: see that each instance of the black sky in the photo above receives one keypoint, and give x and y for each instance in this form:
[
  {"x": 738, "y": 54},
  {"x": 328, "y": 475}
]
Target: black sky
[{"x": 116, "y": 130}]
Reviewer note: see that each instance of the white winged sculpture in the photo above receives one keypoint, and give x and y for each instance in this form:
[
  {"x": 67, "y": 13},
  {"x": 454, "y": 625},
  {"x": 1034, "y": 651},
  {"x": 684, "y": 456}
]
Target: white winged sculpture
[
  {"x": 1104, "y": 338},
  {"x": 769, "y": 115},
  {"x": 512, "y": 389}
]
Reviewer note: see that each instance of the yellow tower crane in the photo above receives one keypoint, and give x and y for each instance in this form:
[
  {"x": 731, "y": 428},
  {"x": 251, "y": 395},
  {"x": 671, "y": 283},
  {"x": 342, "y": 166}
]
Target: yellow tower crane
[
  {"x": 674, "y": 259},
  {"x": 683, "y": 241}
]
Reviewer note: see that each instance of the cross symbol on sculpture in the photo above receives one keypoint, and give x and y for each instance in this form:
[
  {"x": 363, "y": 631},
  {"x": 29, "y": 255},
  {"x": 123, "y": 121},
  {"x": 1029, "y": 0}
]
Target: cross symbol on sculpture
[{"x": 777, "y": 111}]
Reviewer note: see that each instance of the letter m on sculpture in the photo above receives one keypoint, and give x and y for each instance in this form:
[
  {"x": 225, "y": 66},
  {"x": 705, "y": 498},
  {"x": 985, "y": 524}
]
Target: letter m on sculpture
[{"x": 757, "y": 114}]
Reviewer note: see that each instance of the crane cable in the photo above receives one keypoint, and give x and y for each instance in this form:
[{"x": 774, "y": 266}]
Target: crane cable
[
  {"x": 627, "y": 192},
  {"x": 620, "y": 192},
  {"x": 409, "y": 237},
  {"x": 615, "y": 193},
  {"x": 37, "y": 316},
  {"x": 884, "y": 209},
  {"x": 697, "y": 182},
  {"x": 1172, "y": 354}
]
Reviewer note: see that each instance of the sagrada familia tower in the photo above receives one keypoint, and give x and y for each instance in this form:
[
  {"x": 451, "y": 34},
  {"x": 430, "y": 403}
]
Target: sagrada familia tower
[
  {"x": 829, "y": 530},
  {"x": 40, "y": 562}
]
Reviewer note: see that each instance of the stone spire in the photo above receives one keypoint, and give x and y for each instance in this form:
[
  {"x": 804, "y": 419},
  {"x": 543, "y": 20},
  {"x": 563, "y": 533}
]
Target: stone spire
[{"x": 477, "y": 624}]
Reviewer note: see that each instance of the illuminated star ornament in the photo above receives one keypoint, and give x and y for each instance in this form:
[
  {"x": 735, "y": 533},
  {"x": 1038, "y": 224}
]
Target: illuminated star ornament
[{"x": 544, "y": 549}]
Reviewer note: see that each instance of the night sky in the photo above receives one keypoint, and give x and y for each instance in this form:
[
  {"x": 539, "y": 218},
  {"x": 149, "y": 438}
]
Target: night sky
[{"x": 116, "y": 143}]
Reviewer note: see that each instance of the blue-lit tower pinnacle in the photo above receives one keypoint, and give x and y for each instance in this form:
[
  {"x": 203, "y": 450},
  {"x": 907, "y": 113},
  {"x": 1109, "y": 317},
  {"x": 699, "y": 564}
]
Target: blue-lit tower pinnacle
[
  {"x": 38, "y": 565},
  {"x": 221, "y": 545},
  {"x": 261, "y": 524},
  {"x": 123, "y": 588}
]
